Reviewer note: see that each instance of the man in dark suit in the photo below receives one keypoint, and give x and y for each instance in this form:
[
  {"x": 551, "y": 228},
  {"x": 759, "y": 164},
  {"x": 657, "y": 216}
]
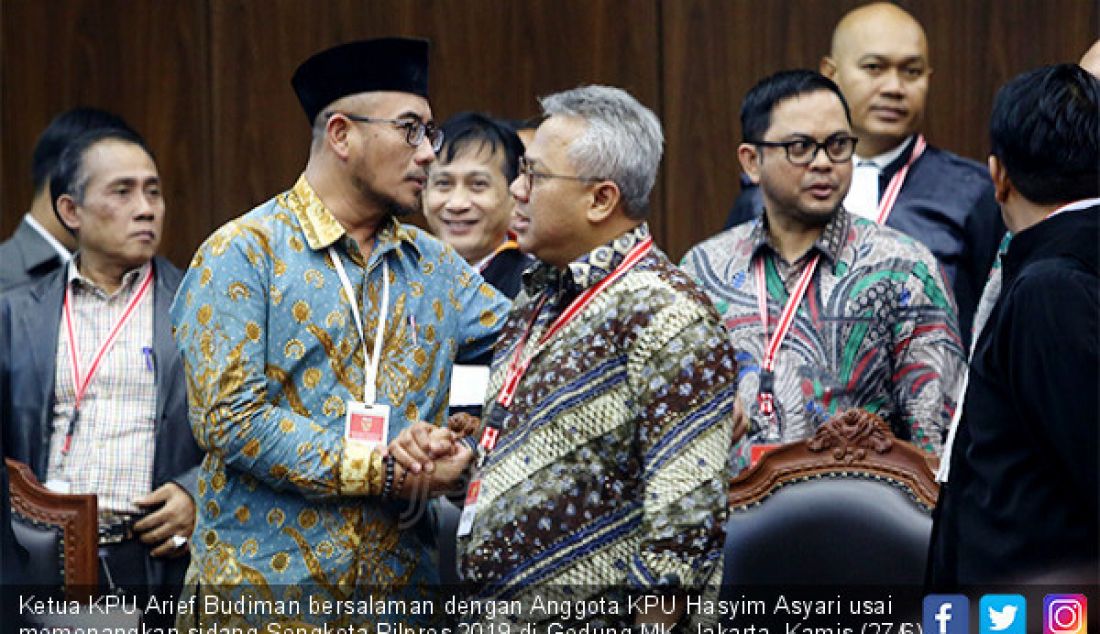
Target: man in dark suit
[
  {"x": 93, "y": 394},
  {"x": 1021, "y": 501},
  {"x": 41, "y": 244},
  {"x": 880, "y": 60}
]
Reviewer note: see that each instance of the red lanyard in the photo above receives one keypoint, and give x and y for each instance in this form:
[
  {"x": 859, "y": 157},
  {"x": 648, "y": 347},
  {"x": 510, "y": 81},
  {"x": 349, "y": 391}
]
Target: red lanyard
[
  {"x": 488, "y": 442},
  {"x": 786, "y": 318},
  {"x": 80, "y": 384},
  {"x": 893, "y": 189},
  {"x": 517, "y": 367}
]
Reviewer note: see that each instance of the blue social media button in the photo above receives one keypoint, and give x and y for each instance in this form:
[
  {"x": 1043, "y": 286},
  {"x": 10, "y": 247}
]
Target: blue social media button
[
  {"x": 1002, "y": 614},
  {"x": 946, "y": 614}
]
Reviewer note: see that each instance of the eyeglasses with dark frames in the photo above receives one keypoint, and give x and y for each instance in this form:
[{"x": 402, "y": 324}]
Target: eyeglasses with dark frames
[
  {"x": 803, "y": 150},
  {"x": 415, "y": 131},
  {"x": 528, "y": 173}
]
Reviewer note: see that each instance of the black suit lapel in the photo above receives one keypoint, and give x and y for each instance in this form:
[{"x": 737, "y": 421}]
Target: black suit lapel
[
  {"x": 38, "y": 331},
  {"x": 894, "y": 166}
]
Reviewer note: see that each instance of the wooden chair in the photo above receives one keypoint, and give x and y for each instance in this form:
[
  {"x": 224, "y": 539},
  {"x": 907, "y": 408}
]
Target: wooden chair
[
  {"x": 852, "y": 505},
  {"x": 59, "y": 532}
]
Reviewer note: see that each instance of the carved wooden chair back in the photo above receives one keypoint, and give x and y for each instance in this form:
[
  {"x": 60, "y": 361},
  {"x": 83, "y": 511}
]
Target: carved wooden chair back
[
  {"x": 852, "y": 505},
  {"x": 59, "y": 532}
]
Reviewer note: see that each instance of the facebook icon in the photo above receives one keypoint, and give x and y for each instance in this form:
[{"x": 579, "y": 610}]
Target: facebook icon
[{"x": 946, "y": 614}]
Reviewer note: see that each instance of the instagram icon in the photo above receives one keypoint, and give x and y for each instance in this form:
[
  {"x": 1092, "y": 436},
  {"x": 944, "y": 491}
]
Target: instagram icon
[{"x": 1065, "y": 614}]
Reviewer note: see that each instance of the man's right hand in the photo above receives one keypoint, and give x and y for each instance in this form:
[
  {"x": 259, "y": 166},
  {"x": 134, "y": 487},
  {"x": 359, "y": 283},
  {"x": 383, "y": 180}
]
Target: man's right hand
[
  {"x": 439, "y": 474},
  {"x": 418, "y": 447},
  {"x": 449, "y": 470}
]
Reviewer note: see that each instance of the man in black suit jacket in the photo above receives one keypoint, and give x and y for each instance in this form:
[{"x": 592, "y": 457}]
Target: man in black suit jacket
[
  {"x": 1021, "y": 502},
  {"x": 92, "y": 392}
]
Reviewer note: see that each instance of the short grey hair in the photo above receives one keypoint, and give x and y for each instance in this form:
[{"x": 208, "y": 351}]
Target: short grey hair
[{"x": 623, "y": 141}]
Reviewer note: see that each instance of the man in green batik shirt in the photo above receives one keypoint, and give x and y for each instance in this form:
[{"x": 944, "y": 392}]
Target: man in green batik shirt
[{"x": 875, "y": 326}]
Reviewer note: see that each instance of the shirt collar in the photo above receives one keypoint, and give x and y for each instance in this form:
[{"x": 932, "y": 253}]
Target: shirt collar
[
  {"x": 62, "y": 252},
  {"x": 1072, "y": 234},
  {"x": 129, "y": 279},
  {"x": 829, "y": 243},
  {"x": 323, "y": 230},
  {"x": 506, "y": 245},
  {"x": 1084, "y": 203},
  {"x": 887, "y": 157},
  {"x": 589, "y": 269}
]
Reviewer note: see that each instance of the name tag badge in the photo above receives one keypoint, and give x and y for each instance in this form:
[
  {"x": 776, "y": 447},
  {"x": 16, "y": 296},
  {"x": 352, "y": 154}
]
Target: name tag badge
[
  {"x": 757, "y": 452},
  {"x": 469, "y": 509},
  {"x": 367, "y": 424}
]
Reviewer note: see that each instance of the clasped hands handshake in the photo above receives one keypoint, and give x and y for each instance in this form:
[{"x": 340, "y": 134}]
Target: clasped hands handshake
[{"x": 432, "y": 457}]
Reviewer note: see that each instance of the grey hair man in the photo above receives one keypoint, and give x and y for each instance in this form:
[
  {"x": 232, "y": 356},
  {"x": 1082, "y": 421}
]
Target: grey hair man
[{"x": 610, "y": 408}]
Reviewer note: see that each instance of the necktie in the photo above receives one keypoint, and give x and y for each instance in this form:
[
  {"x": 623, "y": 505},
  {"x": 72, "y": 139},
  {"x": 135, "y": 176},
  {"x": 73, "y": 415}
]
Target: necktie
[{"x": 862, "y": 197}]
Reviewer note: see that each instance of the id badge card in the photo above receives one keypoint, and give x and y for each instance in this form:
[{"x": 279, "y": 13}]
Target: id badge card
[
  {"x": 367, "y": 424},
  {"x": 469, "y": 509},
  {"x": 757, "y": 452}
]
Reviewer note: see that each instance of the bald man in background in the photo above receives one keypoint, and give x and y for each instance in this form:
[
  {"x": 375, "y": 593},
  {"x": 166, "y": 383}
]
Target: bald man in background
[{"x": 880, "y": 60}]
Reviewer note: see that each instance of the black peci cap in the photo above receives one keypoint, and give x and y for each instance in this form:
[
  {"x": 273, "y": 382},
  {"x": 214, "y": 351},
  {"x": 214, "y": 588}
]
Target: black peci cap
[{"x": 387, "y": 64}]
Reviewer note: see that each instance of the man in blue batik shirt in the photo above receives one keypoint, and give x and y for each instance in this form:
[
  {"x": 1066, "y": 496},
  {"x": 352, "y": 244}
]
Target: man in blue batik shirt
[{"x": 287, "y": 377}]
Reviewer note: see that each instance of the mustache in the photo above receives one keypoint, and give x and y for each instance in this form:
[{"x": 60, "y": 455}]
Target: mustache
[{"x": 397, "y": 209}]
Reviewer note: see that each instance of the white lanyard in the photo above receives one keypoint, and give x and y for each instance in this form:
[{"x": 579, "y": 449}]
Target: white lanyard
[{"x": 370, "y": 365}]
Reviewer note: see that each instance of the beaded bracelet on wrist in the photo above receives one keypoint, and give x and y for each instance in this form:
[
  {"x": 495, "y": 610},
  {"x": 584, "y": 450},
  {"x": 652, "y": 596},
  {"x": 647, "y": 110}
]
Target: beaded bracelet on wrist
[
  {"x": 399, "y": 485},
  {"x": 387, "y": 486}
]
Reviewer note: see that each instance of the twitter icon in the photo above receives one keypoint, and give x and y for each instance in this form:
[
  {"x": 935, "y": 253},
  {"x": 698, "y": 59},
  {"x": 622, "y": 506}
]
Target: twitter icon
[{"x": 1002, "y": 614}]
